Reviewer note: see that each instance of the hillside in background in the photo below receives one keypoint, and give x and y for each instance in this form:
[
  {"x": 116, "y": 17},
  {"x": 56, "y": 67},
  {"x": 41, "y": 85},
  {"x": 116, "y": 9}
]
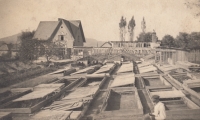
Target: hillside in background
[
  {"x": 10, "y": 39},
  {"x": 93, "y": 42},
  {"x": 14, "y": 38}
]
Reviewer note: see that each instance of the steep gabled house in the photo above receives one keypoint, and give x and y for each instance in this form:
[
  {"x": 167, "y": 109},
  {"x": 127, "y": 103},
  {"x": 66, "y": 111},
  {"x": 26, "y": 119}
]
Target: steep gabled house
[{"x": 64, "y": 33}]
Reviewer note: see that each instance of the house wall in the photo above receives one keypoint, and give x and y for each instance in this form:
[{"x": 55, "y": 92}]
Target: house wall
[
  {"x": 68, "y": 38},
  {"x": 78, "y": 39}
]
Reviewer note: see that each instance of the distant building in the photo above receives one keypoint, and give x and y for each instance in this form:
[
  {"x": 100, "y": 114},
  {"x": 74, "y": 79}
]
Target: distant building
[
  {"x": 64, "y": 33},
  {"x": 134, "y": 44}
]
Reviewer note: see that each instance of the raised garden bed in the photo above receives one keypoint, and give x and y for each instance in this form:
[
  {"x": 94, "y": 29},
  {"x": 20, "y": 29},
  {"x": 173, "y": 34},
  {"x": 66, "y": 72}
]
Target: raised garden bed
[
  {"x": 13, "y": 94},
  {"x": 123, "y": 99}
]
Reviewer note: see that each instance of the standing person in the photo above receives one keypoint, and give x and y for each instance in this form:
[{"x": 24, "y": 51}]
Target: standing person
[{"x": 159, "y": 110}]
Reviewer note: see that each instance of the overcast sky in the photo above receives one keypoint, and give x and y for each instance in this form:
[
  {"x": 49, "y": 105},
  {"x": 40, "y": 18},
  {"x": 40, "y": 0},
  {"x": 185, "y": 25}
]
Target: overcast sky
[{"x": 100, "y": 19}]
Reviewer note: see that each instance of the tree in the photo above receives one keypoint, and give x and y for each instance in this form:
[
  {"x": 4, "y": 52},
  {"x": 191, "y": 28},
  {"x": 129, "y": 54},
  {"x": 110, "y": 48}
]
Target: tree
[
  {"x": 182, "y": 40},
  {"x": 27, "y": 46},
  {"x": 122, "y": 26},
  {"x": 168, "y": 41},
  {"x": 193, "y": 40},
  {"x": 145, "y": 37},
  {"x": 52, "y": 50},
  {"x": 131, "y": 26}
]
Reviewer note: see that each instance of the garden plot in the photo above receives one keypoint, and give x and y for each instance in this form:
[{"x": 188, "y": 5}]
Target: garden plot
[
  {"x": 144, "y": 64},
  {"x": 193, "y": 88},
  {"x": 173, "y": 100},
  {"x": 181, "y": 77},
  {"x": 156, "y": 82},
  {"x": 125, "y": 68},
  {"x": 77, "y": 100},
  {"x": 147, "y": 69},
  {"x": 167, "y": 68},
  {"x": 13, "y": 94},
  {"x": 70, "y": 84},
  {"x": 192, "y": 83},
  {"x": 94, "y": 82},
  {"x": 121, "y": 102},
  {"x": 41, "y": 95},
  {"x": 160, "y": 88},
  {"x": 105, "y": 69},
  {"x": 124, "y": 80},
  {"x": 82, "y": 92}
]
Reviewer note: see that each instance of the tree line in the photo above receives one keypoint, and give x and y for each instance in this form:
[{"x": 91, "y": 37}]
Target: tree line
[{"x": 182, "y": 40}]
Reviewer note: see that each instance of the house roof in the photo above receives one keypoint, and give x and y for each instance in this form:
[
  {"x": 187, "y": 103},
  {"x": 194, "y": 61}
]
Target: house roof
[
  {"x": 47, "y": 29},
  {"x": 74, "y": 26}
]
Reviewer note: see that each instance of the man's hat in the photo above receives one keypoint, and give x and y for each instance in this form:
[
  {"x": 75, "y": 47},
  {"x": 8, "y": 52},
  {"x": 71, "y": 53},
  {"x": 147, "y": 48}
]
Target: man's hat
[{"x": 155, "y": 97}]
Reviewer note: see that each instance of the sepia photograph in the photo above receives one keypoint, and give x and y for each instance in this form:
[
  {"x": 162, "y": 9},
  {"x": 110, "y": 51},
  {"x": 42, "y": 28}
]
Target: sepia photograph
[{"x": 99, "y": 59}]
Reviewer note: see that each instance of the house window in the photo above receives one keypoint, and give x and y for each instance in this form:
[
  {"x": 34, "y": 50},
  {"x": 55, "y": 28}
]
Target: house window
[{"x": 61, "y": 37}]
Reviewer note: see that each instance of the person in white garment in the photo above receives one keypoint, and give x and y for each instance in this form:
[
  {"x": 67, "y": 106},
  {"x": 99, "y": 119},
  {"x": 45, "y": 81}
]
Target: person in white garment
[{"x": 159, "y": 110}]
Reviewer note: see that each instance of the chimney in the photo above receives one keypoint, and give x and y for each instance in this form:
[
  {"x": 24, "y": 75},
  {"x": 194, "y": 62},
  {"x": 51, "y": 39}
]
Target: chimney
[{"x": 60, "y": 19}]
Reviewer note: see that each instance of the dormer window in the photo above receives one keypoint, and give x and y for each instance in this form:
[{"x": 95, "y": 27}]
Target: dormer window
[{"x": 61, "y": 37}]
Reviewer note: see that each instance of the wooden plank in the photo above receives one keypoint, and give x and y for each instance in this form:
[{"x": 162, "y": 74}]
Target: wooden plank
[
  {"x": 84, "y": 70},
  {"x": 60, "y": 71},
  {"x": 51, "y": 115},
  {"x": 104, "y": 68},
  {"x": 159, "y": 87},
  {"x": 97, "y": 75},
  {"x": 151, "y": 77},
  {"x": 75, "y": 76},
  {"x": 16, "y": 110},
  {"x": 20, "y": 89},
  {"x": 168, "y": 94},
  {"x": 5, "y": 115},
  {"x": 82, "y": 92}
]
